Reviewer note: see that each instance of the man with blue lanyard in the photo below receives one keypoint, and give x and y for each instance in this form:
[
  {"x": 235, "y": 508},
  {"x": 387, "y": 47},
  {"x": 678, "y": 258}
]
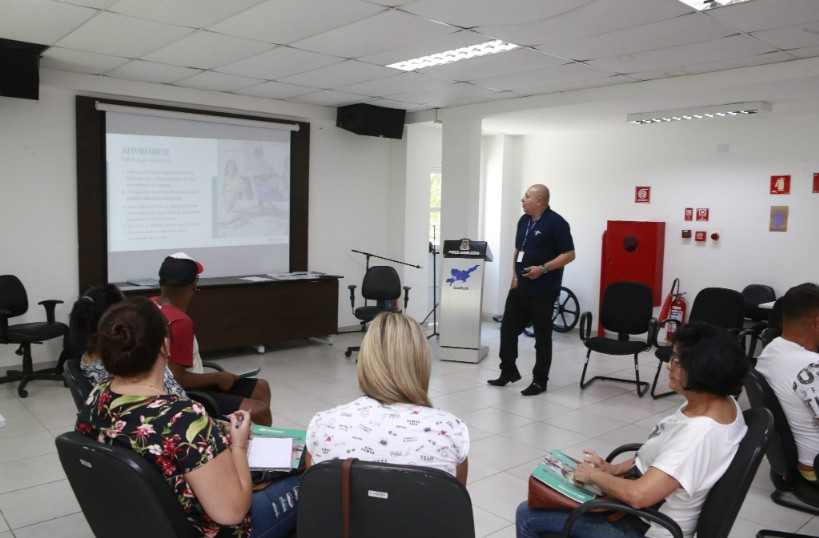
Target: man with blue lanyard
[{"x": 543, "y": 245}]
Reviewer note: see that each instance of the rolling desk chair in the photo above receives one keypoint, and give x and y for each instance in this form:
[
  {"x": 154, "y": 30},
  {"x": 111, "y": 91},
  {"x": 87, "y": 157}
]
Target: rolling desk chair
[
  {"x": 382, "y": 285},
  {"x": 13, "y": 303}
]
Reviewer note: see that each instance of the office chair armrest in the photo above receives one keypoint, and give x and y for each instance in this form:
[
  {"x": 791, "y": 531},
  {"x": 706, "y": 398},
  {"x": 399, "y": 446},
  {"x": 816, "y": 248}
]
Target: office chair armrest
[
  {"x": 622, "y": 449},
  {"x": 585, "y": 326},
  {"x": 659, "y": 325},
  {"x": 406, "y": 296},
  {"x": 651, "y": 514},
  {"x": 212, "y": 366},
  {"x": 50, "y": 305},
  {"x": 652, "y": 328},
  {"x": 4, "y": 324},
  {"x": 352, "y": 288}
]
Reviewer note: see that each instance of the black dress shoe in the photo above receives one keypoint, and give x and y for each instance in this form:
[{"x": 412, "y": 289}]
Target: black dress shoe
[
  {"x": 533, "y": 389},
  {"x": 503, "y": 380}
]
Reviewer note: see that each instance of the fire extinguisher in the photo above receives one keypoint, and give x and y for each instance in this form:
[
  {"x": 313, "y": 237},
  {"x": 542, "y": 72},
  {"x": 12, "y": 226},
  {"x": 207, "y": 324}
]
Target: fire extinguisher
[{"x": 674, "y": 308}]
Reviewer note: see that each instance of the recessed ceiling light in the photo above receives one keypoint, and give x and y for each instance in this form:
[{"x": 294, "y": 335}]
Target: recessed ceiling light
[
  {"x": 720, "y": 111},
  {"x": 709, "y": 4},
  {"x": 455, "y": 55}
]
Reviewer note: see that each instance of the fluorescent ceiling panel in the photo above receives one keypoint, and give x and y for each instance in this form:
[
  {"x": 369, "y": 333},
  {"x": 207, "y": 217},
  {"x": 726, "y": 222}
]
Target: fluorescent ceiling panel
[
  {"x": 699, "y": 113},
  {"x": 487, "y": 48}
]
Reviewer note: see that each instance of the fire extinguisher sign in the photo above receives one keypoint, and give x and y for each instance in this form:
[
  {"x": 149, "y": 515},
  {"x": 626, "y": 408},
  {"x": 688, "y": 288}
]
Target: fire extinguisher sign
[{"x": 780, "y": 184}]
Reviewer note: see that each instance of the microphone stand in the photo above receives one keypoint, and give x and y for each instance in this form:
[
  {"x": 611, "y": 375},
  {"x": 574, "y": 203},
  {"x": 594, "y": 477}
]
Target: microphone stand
[
  {"x": 371, "y": 255},
  {"x": 434, "y": 311}
]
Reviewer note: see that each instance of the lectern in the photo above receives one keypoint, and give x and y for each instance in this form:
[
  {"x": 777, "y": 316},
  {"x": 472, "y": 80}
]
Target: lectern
[{"x": 461, "y": 298}]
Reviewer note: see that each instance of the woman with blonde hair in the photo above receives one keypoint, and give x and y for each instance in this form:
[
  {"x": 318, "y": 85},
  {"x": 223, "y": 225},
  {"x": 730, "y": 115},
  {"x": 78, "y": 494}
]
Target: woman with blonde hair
[{"x": 394, "y": 422}]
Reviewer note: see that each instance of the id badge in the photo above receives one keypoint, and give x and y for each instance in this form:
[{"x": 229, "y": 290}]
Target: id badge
[{"x": 520, "y": 256}]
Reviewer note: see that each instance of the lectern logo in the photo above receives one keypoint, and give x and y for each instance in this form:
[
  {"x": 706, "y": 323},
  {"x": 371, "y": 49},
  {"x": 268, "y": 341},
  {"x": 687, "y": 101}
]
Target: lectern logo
[
  {"x": 464, "y": 244},
  {"x": 459, "y": 275}
]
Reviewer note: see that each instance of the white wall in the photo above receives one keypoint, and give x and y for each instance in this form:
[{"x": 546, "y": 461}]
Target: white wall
[
  {"x": 592, "y": 176},
  {"x": 355, "y": 190}
]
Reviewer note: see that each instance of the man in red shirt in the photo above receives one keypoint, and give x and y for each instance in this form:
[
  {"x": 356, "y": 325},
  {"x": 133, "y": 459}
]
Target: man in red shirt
[{"x": 178, "y": 277}]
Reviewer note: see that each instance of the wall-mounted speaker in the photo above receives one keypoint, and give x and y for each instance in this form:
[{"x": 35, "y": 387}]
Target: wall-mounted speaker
[
  {"x": 372, "y": 120},
  {"x": 20, "y": 69}
]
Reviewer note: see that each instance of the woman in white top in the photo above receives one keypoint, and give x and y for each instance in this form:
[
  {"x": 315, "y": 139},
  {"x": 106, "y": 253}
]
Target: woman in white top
[
  {"x": 394, "y": 422},
  {"x": 685, "y": 454}
]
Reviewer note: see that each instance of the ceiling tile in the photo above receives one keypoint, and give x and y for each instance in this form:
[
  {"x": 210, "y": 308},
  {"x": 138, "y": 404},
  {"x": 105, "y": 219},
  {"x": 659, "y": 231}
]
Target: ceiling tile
[
  {"x": 285, "y": 21},
  {"x": 152, "y": 72},
  {"x": 120, "y": 35},
  {"x": 96, "y": 4},
  {"x": 386, "y": 30},
  {"x": 472, "y": 13},
  {"x": 766, "y": 14},
  {"x": 206, "y": 50},
  {"x": 79, "y": 61},
  {"x": 543, "y": 77},
  {"x": 494, "y": 64},
  {"x": 442, "y": 96},
  {"x": 425, "y": 47},
  {"x": 720, "y": 65},
  {"x": 577, "y": 85},
  {"x": 218, "y": 82},
  {"x": 667, "y": 33},
  {"x": 390, "y": 103},
  {"x": 791, "y": 37},
  {"x": 279, "y": 63},
  {"x": 276, "y": 90},
  {"x": 809, "y": 52},
  {"x": 590, "y": 19},
  {"x": 392, "y": 85},
  {"x": 191, "y": 13},
  {"x": 727, "y": 48},
  {"x": 40, "y": 21},
  {"x": 329, "y": 98},
  {"x": 340, "y": 74}
]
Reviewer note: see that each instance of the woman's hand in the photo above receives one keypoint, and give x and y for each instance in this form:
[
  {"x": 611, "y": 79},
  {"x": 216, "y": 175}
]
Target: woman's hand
[
  {"x": 593, "y": 458},
  {"x": 583, "y": 473},
  {"x": 240, "y": 424}
]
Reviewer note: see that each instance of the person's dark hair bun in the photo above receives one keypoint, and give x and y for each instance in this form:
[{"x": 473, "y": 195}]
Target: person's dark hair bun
[{"x": 130, "y": 337}]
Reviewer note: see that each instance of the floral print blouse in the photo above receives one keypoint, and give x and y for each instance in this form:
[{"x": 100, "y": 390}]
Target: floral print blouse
[{"x": 173, "y": 433}]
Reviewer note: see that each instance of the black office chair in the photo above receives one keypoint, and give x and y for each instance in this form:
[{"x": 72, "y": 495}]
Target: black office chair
[
  {"x": 723, "y": 501},
  {"x": 399, "y": 501},
  {"x": 782, "y": 454},
  {"x": 626, "y": 311},
  {"x": 107, "y": 481},
  {"x": 718, "y": 306},
  {"x": 756, "y": 318},
  {"x": 774, "y": 328},
  {"x": 382, "y": 285},
  {"x": 80, "y": 388},
  {"x": 13, "y": 303}
]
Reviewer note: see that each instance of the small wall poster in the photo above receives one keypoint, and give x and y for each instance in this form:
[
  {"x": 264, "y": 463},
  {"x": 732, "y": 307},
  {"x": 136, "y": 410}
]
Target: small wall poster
[
  {"x": 699, "y": 236},
  {"x": 815, "y": 182},
  {"x": 642, "y": 195},
  {"x": 702, "y": 213},
  {"x": 780, "y": 184},
  {"x": 689, "y": 213},
  {"x": 779, "y": 218}
]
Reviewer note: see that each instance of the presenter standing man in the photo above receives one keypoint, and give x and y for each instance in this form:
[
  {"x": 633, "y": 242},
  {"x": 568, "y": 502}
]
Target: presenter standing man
[
  {"x": 543, "y": 246},
  {"x": 178, "y": 277}
]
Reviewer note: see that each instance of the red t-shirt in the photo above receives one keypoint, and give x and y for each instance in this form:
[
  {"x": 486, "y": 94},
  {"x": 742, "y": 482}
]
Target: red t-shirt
[{"x": 181, "y": 334}]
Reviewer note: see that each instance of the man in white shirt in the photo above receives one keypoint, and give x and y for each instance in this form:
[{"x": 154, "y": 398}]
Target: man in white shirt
[{"x": 790, "y": 363}]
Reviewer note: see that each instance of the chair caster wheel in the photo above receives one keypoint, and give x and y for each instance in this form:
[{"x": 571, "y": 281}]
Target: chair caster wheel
[
  {"x": 348, "y": 353},
  {"x": 22, "y": 392}
]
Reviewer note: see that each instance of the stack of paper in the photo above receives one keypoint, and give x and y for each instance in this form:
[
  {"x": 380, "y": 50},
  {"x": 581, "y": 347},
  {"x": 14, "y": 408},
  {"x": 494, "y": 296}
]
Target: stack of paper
[
  {"x": 296, "y": 437},
  {"x": 270, "y": 453}
]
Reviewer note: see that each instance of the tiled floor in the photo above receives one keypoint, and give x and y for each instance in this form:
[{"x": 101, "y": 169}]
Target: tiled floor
[{"x": 509, "y": 432}]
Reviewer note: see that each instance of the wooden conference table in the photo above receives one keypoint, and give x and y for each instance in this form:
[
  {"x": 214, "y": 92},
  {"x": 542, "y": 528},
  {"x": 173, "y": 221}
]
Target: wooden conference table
[{"x": 230, "y": 312}]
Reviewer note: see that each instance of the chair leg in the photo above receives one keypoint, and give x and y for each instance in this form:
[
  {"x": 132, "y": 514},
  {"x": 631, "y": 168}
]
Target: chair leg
[
  {"x": 583, "y": 375},
  {"x": 640, "y": 384},
  {"x": 637, "y": 377},
  {"x": 28, "y": 373},
  {"x": 778, "y": 498},
  {"x": 654, "y": 384},
  {"x": 764, "y": 533},
  {"x": 351, "y": 349}
]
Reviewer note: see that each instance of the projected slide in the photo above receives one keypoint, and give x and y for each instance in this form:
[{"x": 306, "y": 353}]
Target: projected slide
[{"x": 167, "y": 192}]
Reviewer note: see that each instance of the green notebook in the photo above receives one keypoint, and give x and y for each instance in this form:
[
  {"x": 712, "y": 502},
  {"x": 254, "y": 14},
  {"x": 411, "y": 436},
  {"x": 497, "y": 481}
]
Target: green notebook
[
  {"x": 299, "y": 438},
  {"x": 557, "y": 471}
]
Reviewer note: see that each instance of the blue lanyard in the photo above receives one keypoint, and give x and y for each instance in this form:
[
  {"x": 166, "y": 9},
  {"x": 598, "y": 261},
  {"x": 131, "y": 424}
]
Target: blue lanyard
[{"x": 529, "y": 226}]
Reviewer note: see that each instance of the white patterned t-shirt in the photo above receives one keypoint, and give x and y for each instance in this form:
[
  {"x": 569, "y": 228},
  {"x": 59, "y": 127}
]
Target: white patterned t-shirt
[{"x": 400, "y": 433}]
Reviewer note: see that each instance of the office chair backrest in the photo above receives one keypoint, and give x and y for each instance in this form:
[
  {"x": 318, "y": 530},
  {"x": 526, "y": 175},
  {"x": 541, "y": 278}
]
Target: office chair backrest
[
  {"x": 719, "y": 306},
  {"x": 79, "y": 386},
  {"x": 726, "y": 497},
  {"x": 782, "y": 453},
  {"x": 754, "y": 295},
  {"x": 381, "y": 283},
  {"x": 121, "y": 494},
  {"x": 13, "y": 296},
  {"x": 400, "y": 501},
  {"x": 626, "y": 307},
  {"x": 775, "y": 316}
]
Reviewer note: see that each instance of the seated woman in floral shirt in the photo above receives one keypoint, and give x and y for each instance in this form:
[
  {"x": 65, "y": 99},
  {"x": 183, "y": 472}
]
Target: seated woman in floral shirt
[{"x": 204, "y": 464}]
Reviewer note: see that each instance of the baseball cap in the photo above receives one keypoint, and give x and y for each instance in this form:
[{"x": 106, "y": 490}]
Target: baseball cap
[{"x": 179, "y": 270}]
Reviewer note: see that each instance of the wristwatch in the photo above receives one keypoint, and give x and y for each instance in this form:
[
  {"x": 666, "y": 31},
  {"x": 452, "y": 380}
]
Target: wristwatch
[{"x": 544, "y": 269}]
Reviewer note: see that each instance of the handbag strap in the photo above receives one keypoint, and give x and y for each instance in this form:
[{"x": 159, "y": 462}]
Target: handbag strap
[{"x": 346, "y": 469}]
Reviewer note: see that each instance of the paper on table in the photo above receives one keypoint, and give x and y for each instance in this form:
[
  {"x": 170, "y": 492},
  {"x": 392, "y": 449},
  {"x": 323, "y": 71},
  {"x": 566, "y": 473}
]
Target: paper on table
[
  {"x": 255, "y": 278},
  {"x": 270, "y": 453}
]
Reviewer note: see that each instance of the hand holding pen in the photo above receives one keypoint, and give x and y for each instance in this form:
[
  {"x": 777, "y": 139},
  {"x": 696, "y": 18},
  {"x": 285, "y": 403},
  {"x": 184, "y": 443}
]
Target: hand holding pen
[{"x": 240, "y": 424}]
